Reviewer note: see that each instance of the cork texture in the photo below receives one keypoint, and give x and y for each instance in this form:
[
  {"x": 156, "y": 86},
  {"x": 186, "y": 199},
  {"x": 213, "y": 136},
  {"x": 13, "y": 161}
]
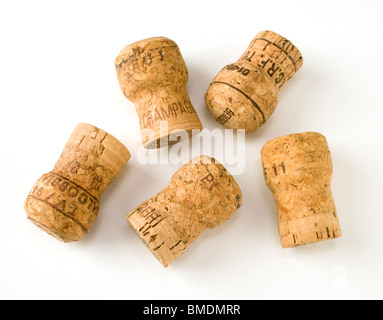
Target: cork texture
[
  {"x": 65, "y": 201},
  {"x": 201, "y": 195},
  {"x": 298, "y": 170},
  {"x": 153, "y": 75},
  {"x": 244, "y": 94}
]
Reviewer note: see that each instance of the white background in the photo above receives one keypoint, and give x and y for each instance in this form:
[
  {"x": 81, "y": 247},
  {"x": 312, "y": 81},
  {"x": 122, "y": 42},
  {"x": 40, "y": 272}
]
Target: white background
[{"x": 57, "y": 69}]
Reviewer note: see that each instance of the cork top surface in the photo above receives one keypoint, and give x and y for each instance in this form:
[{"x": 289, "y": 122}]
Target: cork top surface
[
  {"x": 291, "y": 138},
  {"x": 210, "y": 188},
  {"x": 143, "y": 45},
  {"x": 142, "y": 56},
  {"x": 148, "y": 66}
]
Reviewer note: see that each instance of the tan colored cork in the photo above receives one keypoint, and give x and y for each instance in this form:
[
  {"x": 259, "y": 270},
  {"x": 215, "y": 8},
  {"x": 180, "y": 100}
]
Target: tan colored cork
[
  {"x": 65, "y": 201},
  {"x": 201, "y": 195},
  {"x": 298, "y": 170},
  {"x": 153, "y": 75},
  {"x": 244, "y": 94}
]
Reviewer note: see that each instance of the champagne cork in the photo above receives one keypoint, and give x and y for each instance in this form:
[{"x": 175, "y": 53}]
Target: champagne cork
[
  {"x": 153, "y": 75},
  {"x": 298, "y": 170},
  {"x": 65, "y": 201},
  {"x": 244, "y": 94},
  {"x": 201, "y": 195}
]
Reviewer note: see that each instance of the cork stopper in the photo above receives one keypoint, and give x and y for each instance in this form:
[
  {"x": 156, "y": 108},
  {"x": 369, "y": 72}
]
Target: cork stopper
[
  {"x": 65, "y": 201},
  {"x": 201, "y": 195},
  {"x": 298, "y": 169},
  {"x": 244, "y": 94},
  {"x": 153, "y": 75}
]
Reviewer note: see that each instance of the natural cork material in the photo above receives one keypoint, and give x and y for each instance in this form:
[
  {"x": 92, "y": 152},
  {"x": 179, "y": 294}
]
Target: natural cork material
[
  {"x": 65, "y": 201},
  {"x": 153, "y": 75},
  {"x": 244, "y": 94},
  {"x": 201, "y": 195},
  {"x": 298, "y": 170}
]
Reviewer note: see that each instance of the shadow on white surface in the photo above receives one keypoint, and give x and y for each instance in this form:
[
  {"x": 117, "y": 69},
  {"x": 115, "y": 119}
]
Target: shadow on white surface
[{"x": 122, "y": 196}]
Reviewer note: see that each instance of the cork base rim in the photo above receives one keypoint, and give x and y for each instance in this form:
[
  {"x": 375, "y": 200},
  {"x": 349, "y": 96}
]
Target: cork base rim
[
  {"x": 169, "y": 140},
  {"x": 47, "y": 230},
  {"x": 288, "y": 246},
  {"x": 157, "y": 256},
  {"x": 291, "y": 136}
]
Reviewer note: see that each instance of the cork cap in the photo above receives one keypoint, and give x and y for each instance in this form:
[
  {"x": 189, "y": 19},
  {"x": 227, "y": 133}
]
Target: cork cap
[
  {"x": 152, "y": 74},
  {"x": 298, "y": 170},
  {"x": 150, "y": 62},
  {"x": 201, "y": 195},
  {"x": 241, "y": 100},
  {"x": 65, "y": 202}
]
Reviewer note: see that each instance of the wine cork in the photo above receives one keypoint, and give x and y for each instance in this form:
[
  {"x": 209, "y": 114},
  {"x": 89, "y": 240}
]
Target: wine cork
[
  {"x": 244, "y": 94},
  {"x": 201, "y": 195},
  {"x": 298, "y": 170},
  {"x": 153, "y": 75},
  {"x": 65, "y": 201}
]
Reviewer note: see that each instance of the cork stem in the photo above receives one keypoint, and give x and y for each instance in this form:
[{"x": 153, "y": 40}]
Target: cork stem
[
  {"x": 276, "y": 55},
  {"x": 164, "y": 113}
]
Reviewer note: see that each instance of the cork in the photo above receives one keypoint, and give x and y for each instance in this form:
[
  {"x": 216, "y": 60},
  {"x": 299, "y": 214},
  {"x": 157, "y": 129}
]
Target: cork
[
  {"x": 65, "y": 201},
  {"x": 244, "y": 94},
  {"x": 153, "y": 75},
  {"x": 201, "y": 195},
  {"x": 298, "y": 169}
]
